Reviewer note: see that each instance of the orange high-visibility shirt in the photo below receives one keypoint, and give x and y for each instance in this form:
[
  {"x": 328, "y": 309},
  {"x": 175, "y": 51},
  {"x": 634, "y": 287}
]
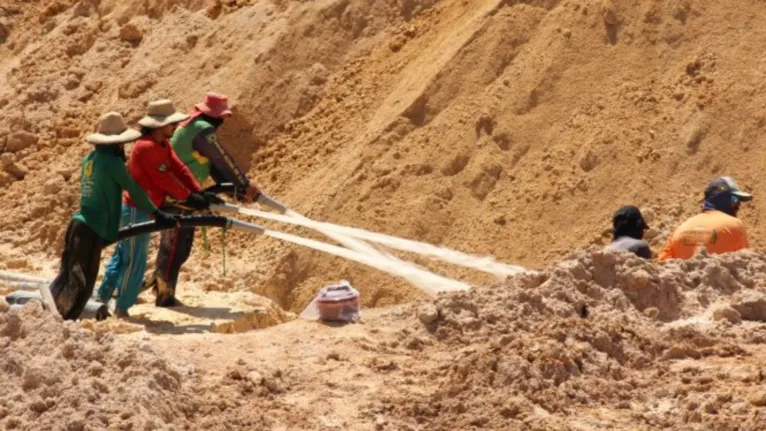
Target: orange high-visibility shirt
[{"x": 716, "y": 231}]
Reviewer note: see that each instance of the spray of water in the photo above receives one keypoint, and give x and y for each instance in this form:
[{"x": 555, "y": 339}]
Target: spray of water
[
  {"x": 485, "y": 264},
  {"x": 407, "y": 270},
  {"x": 431, "y": 283}
]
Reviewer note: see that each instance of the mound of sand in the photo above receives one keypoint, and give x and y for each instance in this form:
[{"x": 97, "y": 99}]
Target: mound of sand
[
  {"x": 57, "y": 375},
  {"x": 601, "y": 340}
]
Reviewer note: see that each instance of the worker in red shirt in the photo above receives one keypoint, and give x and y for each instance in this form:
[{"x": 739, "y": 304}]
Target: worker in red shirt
[{"x": 155, "y": 167}]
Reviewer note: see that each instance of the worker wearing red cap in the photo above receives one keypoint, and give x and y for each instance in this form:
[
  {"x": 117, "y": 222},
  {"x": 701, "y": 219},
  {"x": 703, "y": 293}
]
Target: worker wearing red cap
[{"x": 198, "y": 146}]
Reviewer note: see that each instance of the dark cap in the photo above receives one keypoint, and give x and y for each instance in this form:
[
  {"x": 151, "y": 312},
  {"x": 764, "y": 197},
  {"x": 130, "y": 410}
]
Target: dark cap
[
  {"x": 726, "y": 185},
  {"x": 629, "y": 215}
]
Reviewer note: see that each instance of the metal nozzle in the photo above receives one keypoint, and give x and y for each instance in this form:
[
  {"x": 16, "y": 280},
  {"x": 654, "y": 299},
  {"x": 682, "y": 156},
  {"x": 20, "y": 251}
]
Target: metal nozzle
[
  {"x": 271, "y": 203},
  {"x": 246, "y": 227},
  {"x": 225, "y": 208}
]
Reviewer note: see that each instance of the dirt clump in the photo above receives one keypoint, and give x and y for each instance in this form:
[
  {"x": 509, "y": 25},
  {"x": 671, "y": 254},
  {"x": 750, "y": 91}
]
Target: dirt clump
[
  {"x": 544, "y": 349},
  {"x": 59, "y": 375}
]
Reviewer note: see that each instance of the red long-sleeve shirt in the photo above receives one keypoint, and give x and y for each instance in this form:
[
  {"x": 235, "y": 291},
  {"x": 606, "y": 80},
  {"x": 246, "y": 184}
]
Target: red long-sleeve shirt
[{"x": 155, "y": 167}]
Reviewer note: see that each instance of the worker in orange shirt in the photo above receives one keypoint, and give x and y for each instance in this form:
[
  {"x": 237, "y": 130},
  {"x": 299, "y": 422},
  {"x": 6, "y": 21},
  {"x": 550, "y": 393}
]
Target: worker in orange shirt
[{"x": 717, "y": 228}]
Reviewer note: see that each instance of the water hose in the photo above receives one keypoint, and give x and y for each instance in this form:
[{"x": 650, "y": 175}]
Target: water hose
[
  {"x": 11, "y": 276},
  {"x": 25, "y": 285},
  {"x": 263, "y": 199},
  {"x": 188, "y": 221},
  {"x": 93, "y": 309}
]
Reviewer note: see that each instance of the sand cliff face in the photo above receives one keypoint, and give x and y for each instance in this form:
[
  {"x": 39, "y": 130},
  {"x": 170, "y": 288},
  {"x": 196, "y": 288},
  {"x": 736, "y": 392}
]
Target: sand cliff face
[{"x": 505, "y": 128}]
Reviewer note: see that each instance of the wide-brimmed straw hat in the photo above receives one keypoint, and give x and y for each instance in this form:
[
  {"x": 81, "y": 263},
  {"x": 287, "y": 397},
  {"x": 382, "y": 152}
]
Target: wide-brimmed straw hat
[
  {"x": 215, "y": 105},
  {"x": 161, "y": 113},
  {"x": 112, "y": 130}
]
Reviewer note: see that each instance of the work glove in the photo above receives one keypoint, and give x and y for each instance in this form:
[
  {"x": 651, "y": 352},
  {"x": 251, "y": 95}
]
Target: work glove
[
  {"x": 197, "y": 201},
  {"x": 163, "y": 219},
  {"x": 212, "y": 199},
  {"x": 251, "y": 193}
]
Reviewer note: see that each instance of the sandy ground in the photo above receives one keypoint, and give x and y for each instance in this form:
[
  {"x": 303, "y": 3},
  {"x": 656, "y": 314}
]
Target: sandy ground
[
  {"x": 598, "y": 341},
  {"x": 511, "y": 129}
]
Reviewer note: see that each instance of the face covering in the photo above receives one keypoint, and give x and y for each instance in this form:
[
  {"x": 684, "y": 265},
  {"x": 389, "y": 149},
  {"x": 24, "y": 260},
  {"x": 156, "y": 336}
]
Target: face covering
[{"x": 724, "y": 202}]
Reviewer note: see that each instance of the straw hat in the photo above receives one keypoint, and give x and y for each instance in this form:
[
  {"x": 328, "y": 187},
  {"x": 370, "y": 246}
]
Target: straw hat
[
  {"x": 215, "y": 105},
  {"x": 161, "y": 113},
  {"x": 112, "y": 130}
]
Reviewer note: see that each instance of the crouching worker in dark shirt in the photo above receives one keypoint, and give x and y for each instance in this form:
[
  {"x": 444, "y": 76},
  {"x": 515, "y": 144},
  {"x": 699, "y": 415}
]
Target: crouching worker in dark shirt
[
  {"x": 103, "y": 179},
  {"x": 628, "y": 228}
]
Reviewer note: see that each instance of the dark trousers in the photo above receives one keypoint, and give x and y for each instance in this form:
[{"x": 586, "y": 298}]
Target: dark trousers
[
  {"x": 175, "y": 249},
  {"x": 73, "y": 286}
]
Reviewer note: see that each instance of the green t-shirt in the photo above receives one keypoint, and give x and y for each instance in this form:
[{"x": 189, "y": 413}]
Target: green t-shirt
[
  {"x": 183, "y": 145},
  {"x": 102, "y": 180},
  {"x": 196, "y": 145}
]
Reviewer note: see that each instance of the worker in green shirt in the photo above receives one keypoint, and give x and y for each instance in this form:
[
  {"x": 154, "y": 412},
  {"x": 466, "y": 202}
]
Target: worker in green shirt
[{"x": 103, "y": 179}]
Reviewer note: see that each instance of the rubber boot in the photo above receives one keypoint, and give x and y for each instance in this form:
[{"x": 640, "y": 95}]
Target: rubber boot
[{"x": 165, "y": 295}]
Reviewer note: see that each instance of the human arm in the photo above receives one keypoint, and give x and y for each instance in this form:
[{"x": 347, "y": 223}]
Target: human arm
[
  {"x": 137, "y": 194},
  {"x": 643, "y": 250},
  {"x": 223, "y": 168},
  {"x": 182, "y": 172},
  {"x": 742, "y": 238},
  {"x": 667, "y": 252},
  {"x": 250, "y": 193}
]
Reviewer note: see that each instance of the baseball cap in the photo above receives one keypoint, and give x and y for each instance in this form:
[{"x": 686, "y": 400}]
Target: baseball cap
[
  {"x": 629, "y": 215},
  {"x": 726, "y": 185}
]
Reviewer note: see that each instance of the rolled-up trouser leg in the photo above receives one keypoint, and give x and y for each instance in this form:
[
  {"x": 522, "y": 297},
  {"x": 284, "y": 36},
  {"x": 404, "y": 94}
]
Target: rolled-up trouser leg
[
  {"x": 80, "y": 260},
  {"x": 175, "y": 249}
]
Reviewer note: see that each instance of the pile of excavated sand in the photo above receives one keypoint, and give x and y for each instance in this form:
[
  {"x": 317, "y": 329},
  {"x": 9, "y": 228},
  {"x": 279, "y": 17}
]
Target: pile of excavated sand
[
  {"x": 57, "y": 375},
  {"x": 600, "y": 341}
]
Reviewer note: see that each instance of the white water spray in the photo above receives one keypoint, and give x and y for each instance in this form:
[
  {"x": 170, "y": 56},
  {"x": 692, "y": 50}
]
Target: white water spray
[
  {"x": 485, "y": 264},
  {"x": 428, "y": 281},
  {"x": 408, "y": 270}
]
